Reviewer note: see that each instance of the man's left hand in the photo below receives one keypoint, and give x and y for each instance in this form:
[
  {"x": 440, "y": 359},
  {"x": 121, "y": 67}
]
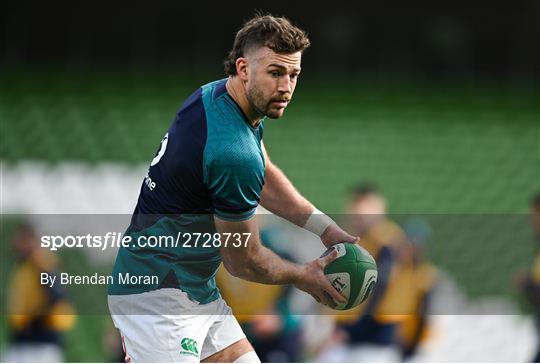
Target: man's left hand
[{"x": 334, "y": 235}]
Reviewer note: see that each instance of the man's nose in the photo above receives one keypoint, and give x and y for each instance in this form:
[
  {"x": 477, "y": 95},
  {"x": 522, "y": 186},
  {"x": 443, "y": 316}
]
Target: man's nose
[{"x": 285, "y": 84}]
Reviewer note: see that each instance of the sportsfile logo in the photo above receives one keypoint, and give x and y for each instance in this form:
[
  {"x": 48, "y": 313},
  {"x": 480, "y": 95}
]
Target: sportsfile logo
[{"x": 189, "y": 346}]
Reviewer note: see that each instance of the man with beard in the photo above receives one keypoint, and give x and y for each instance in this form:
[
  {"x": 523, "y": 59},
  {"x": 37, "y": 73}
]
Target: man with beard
[{"x": 209, "y": 175}]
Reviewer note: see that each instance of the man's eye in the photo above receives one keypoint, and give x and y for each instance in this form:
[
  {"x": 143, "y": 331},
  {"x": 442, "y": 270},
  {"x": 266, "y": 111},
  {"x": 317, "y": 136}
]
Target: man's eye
[{"x": 274, "y": 73}]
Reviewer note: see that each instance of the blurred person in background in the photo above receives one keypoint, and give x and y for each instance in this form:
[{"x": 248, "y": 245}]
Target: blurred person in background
[
  {"x": 111, "y": 343},
  {"x": 528, "y": 281},
  {"x": 414, "y": 329},
  {"x": 264, "y": 311},
  {"x": 39, "y": 315},
  {"x": 372, "y": 328}
]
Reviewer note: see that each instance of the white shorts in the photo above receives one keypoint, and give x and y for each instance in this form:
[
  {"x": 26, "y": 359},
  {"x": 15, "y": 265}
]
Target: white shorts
[{"x": 165, "y": 326}]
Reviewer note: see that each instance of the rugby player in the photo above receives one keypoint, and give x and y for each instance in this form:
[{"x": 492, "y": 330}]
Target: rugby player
[{"x": 210, "y": 173}]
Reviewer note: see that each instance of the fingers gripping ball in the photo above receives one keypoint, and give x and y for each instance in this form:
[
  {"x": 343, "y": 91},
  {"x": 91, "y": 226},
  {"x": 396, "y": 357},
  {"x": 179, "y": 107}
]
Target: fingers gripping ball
[{"x": 353, "y": 273}]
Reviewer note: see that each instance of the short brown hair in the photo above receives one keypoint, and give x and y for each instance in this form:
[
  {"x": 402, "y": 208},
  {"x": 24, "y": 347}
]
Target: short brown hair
[{"x": 278, "y": 34}]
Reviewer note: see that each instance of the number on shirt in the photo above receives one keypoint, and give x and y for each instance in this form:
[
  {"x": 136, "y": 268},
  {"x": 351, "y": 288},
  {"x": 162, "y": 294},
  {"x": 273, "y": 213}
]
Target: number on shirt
[{"x": 161, "y": 150}]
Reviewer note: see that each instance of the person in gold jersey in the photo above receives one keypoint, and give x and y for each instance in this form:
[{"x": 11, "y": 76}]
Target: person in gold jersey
[
  {"x": 528, "y": 282},
  {"x": 264, "y": 311},
  {"x": 38, "y": 315},
  {"x": 373, "y": 326},
  {"x": 415, "y": 329}
]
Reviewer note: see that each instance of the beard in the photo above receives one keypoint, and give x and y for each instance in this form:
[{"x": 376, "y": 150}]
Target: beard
[{"x": 263, "y": 104}]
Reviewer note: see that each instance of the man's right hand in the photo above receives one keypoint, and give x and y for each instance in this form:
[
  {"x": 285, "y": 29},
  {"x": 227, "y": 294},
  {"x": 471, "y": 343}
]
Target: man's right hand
[{"x": 313, "y": 281}]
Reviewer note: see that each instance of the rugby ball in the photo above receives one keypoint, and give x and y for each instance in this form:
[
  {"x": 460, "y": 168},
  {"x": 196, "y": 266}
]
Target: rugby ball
[{"x": 353, "y": 273}]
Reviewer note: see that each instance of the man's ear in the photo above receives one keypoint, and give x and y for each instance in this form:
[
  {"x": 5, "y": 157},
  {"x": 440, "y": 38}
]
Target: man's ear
[{"x": 242, "y": 68}]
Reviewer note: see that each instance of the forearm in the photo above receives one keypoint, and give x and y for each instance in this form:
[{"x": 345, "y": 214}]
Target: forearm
[
  {"x": 254, "y": 262},
  {"x": 280, "y": 197},
  {"x": 268, "y": 268}
]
